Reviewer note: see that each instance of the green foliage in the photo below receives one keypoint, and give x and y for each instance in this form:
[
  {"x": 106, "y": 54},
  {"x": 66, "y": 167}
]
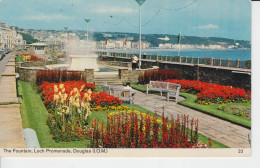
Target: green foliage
[
  {"x": 236, "y": 110},
  {"x": 28, "y": 38}
]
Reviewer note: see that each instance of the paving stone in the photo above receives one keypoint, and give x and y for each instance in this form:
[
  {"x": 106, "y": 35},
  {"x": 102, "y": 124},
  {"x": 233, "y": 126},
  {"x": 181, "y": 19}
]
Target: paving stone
[{"x": 225, "y": 132}]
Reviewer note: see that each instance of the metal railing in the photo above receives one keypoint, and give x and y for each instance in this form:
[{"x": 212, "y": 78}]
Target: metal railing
[{"x": 189, "y": 60}]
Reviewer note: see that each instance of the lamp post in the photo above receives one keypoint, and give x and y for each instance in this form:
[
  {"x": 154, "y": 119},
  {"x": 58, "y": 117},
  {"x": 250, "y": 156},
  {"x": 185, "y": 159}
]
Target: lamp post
[
  {"x": 66, "y": 28},
  {"x": 140, "y": 3},
  {"x": 87, "y": 20}
]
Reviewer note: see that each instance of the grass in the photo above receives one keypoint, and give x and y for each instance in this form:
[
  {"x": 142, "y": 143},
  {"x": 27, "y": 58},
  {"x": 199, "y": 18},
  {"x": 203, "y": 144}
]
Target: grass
[
  {"x": 34, "y": 116},
  {"x": 208, "y": 109}
]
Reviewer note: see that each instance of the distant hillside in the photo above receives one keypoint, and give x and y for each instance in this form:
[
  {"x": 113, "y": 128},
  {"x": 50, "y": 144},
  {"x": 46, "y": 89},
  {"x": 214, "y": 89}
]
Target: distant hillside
[{"x": 153, "y": 39}]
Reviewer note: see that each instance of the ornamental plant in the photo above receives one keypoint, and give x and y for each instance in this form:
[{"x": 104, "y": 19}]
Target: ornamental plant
[
  {"x": 98, "y": 100},
  {"x": 133, "y": 129},
  {"x": 208, "y": 93},
  {"x": 30, "y": 57},
  {"x": 158, "y": 75},
  {"x": 56, "y": 76},
  {"x": 73, "y": 108}
]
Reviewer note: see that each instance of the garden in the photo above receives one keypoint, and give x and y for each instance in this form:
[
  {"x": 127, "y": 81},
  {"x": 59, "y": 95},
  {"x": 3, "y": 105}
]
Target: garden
[
  {"x": 25, "y": 57},
  {"x": 66, "y": 111},
  {"x": 225, "y": 102}
]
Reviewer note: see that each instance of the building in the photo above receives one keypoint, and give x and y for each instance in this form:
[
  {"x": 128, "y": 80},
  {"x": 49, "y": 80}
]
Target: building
[
  {"x": 9, "y": 38},
  {"x": 38, "y": 49}
]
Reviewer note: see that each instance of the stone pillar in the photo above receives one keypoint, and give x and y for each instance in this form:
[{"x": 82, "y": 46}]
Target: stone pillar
[
  {"x": 238, "y": 63},
  {"x": 198, "y": 61},
  {"x": 90, "y": 75},
  {"x": 123, "y": 74},
  {"x": 192, "y": 60},
  {"x": 228, "y": 62},
  {"x": 220, "y": 62},
  {"x": 170, "y": 58},
  {"x": 196, "y": 72},
  {"x": 180, "y": 59},
  {"x": 248, "y": 64}
]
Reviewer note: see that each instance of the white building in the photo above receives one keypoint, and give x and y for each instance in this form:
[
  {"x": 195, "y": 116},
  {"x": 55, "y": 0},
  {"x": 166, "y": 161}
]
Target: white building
[{"x": 9, "y": 37}]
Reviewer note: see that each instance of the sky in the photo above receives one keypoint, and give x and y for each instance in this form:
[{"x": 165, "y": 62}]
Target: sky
[{"x": 204, "y": 18}]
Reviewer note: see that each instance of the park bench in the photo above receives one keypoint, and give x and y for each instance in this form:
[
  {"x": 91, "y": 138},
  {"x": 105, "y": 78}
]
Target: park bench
[
  {"x": 126, "y": 95},
  {"x": 157, "y": 86},
  {"x": 172, "y": 89}
]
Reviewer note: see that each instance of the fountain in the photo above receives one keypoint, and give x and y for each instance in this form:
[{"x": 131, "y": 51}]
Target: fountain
[{"x": 81, "y": 57}]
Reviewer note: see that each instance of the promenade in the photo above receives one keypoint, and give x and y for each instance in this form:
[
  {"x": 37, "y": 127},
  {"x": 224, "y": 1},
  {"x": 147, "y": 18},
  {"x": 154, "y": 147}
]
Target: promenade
[
  {"x": 11, "y": 131},
  {"x": 229, "y": 134}
]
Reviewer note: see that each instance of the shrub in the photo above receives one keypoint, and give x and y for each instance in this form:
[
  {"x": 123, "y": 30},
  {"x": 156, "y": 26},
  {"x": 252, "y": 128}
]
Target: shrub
[
  {"x": 56, "y": 76},
  {"x": 158, "y": 75}
]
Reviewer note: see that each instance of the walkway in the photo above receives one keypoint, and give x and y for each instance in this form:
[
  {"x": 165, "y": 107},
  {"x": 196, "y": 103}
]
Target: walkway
[
  {"x": 11, "y": 130},
  {"x": 3, "y": 62},
  {"x": 222, "y": 131}
]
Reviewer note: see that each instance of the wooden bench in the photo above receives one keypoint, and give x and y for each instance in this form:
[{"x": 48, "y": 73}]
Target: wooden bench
[
  {"x": 126, "y": 95},
  {"x": 157, "y": 86},
  {"x": 172, "y": 89}
]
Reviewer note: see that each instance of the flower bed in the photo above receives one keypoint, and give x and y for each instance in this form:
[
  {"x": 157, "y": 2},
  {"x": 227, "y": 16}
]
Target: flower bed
[
  {"x": 241, "y": 111},
  {"x": 29, "y": 57},
  {"x": 158, "y": 75},
  {"x": 133, "y": 129},
  {"x": 56, "y": 76},
  {"x": 208, "y": 93},
  {"x": 70, "y": 104}
]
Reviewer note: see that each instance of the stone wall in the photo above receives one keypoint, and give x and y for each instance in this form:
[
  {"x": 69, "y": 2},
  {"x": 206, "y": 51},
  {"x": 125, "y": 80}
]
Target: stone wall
[
  {"x": 211, "y": 74},
  {"x": 90, "y": 75},
  {"x": 236, "y": 77},
  {"x": 38, "y": 63},
  {"x": 28, "y": 74},
  {"x": 116, "y": 63}
]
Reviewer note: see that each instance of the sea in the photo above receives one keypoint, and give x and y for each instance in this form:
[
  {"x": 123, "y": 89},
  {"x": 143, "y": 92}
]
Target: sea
[{"x": 242, "y": 55}]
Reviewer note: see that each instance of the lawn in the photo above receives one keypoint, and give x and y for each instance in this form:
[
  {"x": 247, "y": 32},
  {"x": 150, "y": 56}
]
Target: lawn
[
  {"x": 208, "y": 109},
  {"x": 34, "y": 116}
]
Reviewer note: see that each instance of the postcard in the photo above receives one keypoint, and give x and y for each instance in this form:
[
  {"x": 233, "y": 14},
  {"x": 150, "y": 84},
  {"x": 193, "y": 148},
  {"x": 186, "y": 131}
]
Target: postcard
[{"x": 136, "y": 78}]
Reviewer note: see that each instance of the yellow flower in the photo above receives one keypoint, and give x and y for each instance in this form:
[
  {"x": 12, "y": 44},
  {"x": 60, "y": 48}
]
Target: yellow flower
[{"x": 61, "y": 86}]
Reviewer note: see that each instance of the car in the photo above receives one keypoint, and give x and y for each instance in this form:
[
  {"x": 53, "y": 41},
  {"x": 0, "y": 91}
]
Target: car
[
  {"x": 2, "y": 54},
  {"x": 7, "y": 51}
]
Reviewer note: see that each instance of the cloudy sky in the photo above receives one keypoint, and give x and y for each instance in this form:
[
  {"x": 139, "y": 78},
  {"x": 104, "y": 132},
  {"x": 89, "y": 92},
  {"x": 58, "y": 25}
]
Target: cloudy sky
[{"x": 206, "y": 18}]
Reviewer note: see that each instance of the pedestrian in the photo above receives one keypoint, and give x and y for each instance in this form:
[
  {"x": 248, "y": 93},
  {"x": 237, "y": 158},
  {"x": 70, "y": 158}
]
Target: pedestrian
[{"x": 134, "y": 62}]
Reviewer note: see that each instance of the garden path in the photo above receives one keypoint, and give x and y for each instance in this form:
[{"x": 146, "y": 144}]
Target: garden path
[
  {"x": 11, "y": 130},
  {"x": 225, "y": 132}
]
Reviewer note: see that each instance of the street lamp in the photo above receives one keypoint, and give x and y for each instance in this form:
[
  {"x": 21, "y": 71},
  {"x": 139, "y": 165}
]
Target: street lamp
[
  {"x": 87, "y": 20},
  {"x": 66, "y": 45},
  {"x": 140, "y": 3}
]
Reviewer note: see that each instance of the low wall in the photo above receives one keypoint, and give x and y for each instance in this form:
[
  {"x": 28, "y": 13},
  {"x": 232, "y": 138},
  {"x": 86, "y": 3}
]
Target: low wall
[
  {"x": 116, "y": 63},
  {"x": 28, "y": 74},
  {"x": 237, "y": 77},
  {"x": 38, "y": 63}
]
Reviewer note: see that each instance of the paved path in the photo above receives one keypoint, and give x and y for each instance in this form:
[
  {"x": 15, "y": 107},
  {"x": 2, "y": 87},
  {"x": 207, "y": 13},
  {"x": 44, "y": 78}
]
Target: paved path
[
  {"x": 3, "y": 62},
  {"x": 11, "y": 130},
  {"x": 222, "y": 131}
]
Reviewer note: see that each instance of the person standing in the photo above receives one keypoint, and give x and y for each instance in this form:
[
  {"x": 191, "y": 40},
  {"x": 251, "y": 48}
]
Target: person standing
[{"x": 134, "y": 62}]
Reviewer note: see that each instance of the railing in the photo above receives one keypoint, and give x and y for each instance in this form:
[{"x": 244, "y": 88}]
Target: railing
[{"x": 188, "y": 60}]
